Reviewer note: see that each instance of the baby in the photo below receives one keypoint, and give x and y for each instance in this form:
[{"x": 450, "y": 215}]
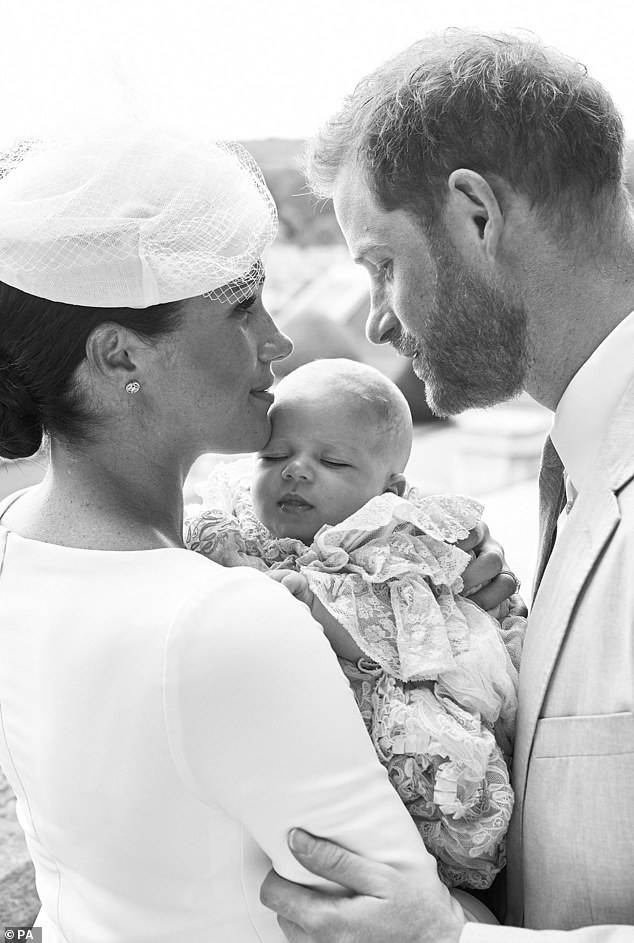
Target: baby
[{"x": 434, "y": 676}]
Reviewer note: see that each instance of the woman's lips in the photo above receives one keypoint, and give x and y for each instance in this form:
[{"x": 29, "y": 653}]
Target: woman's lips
[{"x": 265, "y": 395}]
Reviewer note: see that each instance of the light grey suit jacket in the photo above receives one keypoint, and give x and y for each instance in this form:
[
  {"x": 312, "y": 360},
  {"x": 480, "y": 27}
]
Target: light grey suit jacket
[{"x": 571, "y": 845}]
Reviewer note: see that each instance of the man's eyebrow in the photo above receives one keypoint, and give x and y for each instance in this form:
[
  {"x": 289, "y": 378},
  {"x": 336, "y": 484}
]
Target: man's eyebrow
[{"x": 366, "y": 247}]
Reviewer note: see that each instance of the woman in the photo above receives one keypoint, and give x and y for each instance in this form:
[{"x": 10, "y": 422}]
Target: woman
[{"x": 155, "y": 726}]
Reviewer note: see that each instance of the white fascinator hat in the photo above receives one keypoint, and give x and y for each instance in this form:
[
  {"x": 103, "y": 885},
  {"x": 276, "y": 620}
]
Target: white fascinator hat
[{"x": 133, "y": 216}]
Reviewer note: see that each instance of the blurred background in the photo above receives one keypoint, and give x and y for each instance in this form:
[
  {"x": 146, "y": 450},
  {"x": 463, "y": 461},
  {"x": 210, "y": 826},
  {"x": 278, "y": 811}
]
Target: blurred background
[{"x": 268, "y": 74}]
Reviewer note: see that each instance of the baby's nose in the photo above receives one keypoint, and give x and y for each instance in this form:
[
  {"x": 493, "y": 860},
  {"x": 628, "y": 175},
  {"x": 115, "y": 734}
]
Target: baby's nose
[{"x": 295, "y": 469}]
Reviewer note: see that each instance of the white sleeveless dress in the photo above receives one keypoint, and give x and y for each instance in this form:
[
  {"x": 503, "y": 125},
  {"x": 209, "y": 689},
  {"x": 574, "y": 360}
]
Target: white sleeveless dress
[{"x": 155, "y": 728}]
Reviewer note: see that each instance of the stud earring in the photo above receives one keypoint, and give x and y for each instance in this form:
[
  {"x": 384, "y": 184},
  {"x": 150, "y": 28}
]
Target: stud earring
[{"x": 132, "y": 387}]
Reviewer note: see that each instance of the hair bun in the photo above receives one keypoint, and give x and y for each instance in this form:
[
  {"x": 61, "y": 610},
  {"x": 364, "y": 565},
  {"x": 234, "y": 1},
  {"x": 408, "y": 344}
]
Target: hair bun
[{"x": 21, "y": 427}]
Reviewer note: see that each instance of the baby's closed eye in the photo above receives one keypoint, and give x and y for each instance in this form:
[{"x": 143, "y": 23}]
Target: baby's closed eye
[{"x": 334, "y": 463}]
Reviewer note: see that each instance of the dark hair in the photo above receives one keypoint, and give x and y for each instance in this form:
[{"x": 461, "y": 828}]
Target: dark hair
[
  {"x": 41, "y": 345},
  {"x": 495, "y": 104}
]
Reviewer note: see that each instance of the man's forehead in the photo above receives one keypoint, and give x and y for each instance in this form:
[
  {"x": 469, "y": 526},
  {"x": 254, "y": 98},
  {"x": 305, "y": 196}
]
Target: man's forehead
[{"x": 360, "y": 218}]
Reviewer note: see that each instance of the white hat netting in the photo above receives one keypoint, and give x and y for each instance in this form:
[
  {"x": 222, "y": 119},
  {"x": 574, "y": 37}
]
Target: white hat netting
[{"x": 133, "y": 217}]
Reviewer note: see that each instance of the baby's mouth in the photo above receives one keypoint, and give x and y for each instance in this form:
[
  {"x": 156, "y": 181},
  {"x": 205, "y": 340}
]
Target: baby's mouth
[{"x": 293, "y": 503}]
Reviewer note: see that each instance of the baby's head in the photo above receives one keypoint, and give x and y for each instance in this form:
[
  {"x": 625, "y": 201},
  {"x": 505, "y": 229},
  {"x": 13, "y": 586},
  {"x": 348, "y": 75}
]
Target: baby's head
[{"x": 341, "y": 433}]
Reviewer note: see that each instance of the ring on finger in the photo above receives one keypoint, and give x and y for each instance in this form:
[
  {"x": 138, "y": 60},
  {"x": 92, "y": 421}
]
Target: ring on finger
[{"x": 518, "y": 584}]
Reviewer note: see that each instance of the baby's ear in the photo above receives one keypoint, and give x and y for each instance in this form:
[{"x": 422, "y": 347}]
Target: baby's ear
[{"x": 396, "y": 485}]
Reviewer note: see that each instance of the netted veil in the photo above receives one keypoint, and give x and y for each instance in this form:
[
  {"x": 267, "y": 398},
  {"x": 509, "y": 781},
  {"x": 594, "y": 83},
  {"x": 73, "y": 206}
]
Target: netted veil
[{"x": 132, "y": 216}]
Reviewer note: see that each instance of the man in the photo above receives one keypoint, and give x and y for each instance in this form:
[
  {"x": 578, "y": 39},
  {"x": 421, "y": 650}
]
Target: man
[{"x": 479, "y": 181}]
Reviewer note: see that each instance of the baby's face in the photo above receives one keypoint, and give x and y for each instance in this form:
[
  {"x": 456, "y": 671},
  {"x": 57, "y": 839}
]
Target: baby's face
[{"x": 319, "y": 466}]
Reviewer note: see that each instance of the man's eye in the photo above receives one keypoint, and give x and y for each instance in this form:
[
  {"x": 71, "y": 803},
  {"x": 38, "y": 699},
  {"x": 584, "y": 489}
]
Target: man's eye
[{"x": 385, "y": 269}]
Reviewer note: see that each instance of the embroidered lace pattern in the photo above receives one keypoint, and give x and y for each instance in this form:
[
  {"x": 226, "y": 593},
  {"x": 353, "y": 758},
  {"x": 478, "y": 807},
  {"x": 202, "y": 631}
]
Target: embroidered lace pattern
[
  {"x": 225, "y": 528},
  {"x": 437, "y": 686}
]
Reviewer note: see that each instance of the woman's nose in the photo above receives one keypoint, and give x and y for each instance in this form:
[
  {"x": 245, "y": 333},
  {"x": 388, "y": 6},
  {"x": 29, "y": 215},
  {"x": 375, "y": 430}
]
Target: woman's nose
[
  {"x": 381, "y": 323},
  {"x": 275, "y": 345}
]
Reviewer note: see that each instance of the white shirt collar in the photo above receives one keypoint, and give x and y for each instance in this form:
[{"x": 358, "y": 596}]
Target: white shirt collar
[{"x": 584, "y": 410}]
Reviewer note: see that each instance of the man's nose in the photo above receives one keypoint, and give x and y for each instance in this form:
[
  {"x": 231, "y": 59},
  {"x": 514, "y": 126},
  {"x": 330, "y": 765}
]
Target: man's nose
[
  {"x": 296, "y": 470},
  {"x": 380, "y": 324}
]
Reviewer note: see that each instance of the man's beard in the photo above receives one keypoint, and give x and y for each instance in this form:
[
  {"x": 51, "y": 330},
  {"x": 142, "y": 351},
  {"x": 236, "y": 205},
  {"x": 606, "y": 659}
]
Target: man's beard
[{"x": 472, "y": 350}]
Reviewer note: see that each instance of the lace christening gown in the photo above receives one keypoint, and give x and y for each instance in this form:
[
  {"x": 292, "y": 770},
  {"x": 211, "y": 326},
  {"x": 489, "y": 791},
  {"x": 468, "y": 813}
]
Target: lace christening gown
[{"x": 437, "y": 686}]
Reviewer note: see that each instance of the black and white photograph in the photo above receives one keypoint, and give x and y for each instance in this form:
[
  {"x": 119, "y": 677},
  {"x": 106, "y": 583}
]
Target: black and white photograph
[{"x": 316, "y": 471}]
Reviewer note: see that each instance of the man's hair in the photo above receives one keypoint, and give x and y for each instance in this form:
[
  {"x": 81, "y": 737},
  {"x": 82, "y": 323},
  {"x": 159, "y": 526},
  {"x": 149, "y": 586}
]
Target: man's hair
[{"x": 495, "y": 104}]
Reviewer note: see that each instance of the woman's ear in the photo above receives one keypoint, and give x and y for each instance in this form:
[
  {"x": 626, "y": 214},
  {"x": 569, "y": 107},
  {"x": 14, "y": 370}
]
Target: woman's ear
[
  {"x": 396, "y": 485},
  {"x": 473, "y": 215},
  {"x": 112, "y": 351}
]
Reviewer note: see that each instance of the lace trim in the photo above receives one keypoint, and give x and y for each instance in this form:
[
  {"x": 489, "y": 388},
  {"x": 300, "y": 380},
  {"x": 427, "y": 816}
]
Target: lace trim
[{"x": 438, "y": 687}]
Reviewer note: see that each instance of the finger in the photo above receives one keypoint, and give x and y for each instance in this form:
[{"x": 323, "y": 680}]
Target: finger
[
  {"x": 518, "y": 606},
  {"x": 290, "y": 901},
  {"x": 292, "y": 932},
  {"x": 293, "y": 582},
  {"x": 478, "y": 535},
  {"x": 486, "y": 567},
  {"x": 495, "y": 613},
  {"x": 495, "y": 592},
  {"x": 278, "y": 575},
  {"x": 337, "y": 864}
]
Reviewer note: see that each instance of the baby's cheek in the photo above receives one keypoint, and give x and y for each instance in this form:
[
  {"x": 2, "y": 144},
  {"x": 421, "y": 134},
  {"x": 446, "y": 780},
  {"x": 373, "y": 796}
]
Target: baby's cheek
[
  {"x": 350, "y": 501},
  {"x": 260, "y": 496}
]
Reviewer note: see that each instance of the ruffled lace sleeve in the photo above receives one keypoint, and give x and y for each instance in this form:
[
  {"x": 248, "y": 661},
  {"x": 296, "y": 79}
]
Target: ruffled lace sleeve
[
  {"x": 389, "y": 574},
  {"x": 437, "y": 687},
  {"x": 224, "y": 526}
]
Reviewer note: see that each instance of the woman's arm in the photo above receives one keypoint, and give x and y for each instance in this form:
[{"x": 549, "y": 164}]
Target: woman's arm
[
  {"x": 388, "y": 906},
  {"x": 340, "y": 640},
  {"x": 262, "y": 722}
]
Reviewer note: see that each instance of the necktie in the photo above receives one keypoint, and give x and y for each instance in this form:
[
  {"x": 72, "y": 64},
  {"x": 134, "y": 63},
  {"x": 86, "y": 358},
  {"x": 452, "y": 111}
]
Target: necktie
[{"x": 552, "y": 499}]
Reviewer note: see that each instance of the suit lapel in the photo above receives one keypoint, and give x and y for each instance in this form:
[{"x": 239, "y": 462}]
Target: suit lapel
[
  {"x": 592, "y": 521},
  {"x": 589, "y": 527},
  {"x": 564, "y": 572},
  {"x": 561, "y": 580}
]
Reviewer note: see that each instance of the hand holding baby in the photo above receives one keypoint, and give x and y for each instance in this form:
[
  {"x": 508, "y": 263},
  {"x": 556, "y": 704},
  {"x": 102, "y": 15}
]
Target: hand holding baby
[
  {"x": 296, "y": 583},
  {"x": 341, "y": 642},
  {"x": 487, "y": 579}
]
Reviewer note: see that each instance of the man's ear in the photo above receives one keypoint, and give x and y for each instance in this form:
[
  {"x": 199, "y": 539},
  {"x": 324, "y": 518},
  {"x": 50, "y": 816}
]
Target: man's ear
[
  {"x": 112, "y": 351},
  {"x": 473, "y": 215},
  {"x": 396, "y": 485}
]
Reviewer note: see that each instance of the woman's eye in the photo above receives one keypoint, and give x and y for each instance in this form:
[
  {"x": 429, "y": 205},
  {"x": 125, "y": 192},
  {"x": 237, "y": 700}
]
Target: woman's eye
[
  {"x": 385, "y": 269},
  {"x": 246, "y": 304}
]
